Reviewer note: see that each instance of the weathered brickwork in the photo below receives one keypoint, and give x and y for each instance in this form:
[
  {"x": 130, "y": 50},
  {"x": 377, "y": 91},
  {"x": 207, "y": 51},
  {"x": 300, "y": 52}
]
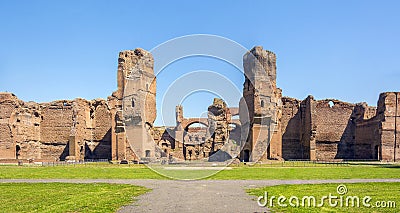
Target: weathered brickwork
[
  {"x": 44, "y": 131},
  {"x": 270, "y": 126},
  {"x": 317, "y": 129},
  {"x": 263, "y": 103},
  {"x": 291, "y": 124},
  {"x": 377, "y": 137},
  {"x": 334, "y": 130}
]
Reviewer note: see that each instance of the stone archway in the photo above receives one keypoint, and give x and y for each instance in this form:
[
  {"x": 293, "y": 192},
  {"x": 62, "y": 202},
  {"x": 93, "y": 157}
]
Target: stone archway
[
  {"x": 190, "y": 121},
  {"x": 194, "y": 139}
]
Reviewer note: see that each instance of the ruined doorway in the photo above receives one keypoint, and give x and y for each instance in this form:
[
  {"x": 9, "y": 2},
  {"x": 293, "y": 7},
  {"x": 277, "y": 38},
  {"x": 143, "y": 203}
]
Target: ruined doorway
[
  {"x": 17, "y": 151},
  {"x": 190, "y": 154},
  {"x": 246, "y": 155},
  {"x": 376, "y": 152},
  {"x": 147, "y": 153}
]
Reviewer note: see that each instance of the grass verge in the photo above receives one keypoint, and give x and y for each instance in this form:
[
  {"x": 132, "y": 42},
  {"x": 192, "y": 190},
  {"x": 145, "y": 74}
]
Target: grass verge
[
  {"x": 382, "y": 194},
  {"x": 106, "y": 171},
  {"x": 66, "y": 197}
]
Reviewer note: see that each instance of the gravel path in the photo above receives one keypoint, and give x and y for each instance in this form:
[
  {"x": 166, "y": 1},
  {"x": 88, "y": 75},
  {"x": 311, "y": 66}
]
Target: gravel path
[{"x": 196, "y": 196}]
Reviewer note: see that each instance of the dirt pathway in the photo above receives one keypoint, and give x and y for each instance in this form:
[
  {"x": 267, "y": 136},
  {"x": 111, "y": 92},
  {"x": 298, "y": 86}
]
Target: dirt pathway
[{"x": 197, "y": 196}]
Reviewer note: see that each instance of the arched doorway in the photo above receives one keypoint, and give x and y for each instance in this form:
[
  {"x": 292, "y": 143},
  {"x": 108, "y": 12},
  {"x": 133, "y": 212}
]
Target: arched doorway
[{"x": 194, "y": 137}]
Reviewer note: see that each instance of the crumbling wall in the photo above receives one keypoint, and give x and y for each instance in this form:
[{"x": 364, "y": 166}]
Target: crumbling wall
[
  {"x": 56, "y": 122},
  {"x": 368, "y": 139},
  {"x": 291, "y": 124},
  {"x": 91, "y": 131},
  {"x": 263, "y": 103},
  {"x": 55, "y": 129},
  {"x": 101, "y": 130},
  {"x": 137, "y": 95},
  {"x": 8, "y": 103},
  {"x": 219, "y": 117},
  {"x": 367, "y": 133},
  {"x": 33, "y": 131},
  {"x": 335, "y": 131},
  {"x": 377, "y": 137},
  {"x": 308, "y": 128},
  {"x": 298, "y": 128},
  {"x": 45, "y": 131},
  {"x": 218, "y": 123},
  {"x": 389, "y": 113},
  {"x": 80, "y": 130},
  {"x": 325, "y": 129},
  {"x": 331, "y": 129},
  {"x": 166, "y": 142},
  {"x": 25, "y": 124}
]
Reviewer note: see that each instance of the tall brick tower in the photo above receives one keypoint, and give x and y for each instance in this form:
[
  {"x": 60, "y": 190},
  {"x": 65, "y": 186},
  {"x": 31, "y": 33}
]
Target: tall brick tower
[
  {"x": 135, "y": 106},
  {"x": 263, "y": 101}
]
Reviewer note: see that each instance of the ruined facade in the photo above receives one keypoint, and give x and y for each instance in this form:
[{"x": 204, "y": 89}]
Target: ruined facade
[
  {"x": 263, "y": 103},
  {"x": 270, "y": 126},
  {"x": 331, "y": 129},
  {"x": 53, "y": 131}
]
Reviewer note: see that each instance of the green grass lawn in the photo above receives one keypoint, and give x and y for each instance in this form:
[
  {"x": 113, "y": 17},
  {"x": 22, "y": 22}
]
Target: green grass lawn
[
  {"x": 96, "y": 171},
  {"x": 308, "y": 173},
  {"x": 66, "y": 197},
  {"x": 377, "y": 191},
  {"x": 109, "y": 171}
]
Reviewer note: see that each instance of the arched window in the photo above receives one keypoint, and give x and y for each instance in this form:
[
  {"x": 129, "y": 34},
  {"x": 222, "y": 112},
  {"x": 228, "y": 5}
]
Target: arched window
[
  {"x": 133, "y": 103},
  {"x": 262, "y": 103}
]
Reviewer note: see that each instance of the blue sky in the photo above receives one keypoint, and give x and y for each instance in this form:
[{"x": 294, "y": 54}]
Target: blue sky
[{"x": 346, "y": 50}]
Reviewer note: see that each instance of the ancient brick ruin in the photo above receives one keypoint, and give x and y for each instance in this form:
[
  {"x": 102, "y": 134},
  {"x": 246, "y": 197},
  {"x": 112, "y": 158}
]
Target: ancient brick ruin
[{"x": 270, "y": 126}]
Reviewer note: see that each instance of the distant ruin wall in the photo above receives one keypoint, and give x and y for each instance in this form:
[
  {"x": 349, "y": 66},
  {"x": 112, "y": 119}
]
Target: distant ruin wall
[
  {"x": 389, "y": 113},
  {"x": 43, "y": 131},
  {"x": 368, "y": 138},
  {"x": 291, "y": 123},
  {"x": 334, "y": 130},
  {"x": 323, "y": 130},
  {"x": 8, "y": 102},
  {"x": 56, "y": 124}
]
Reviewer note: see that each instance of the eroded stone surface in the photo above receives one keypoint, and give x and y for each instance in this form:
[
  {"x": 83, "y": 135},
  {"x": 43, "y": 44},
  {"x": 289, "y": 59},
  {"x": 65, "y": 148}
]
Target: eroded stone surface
[{"x": 43, "y": 131}]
